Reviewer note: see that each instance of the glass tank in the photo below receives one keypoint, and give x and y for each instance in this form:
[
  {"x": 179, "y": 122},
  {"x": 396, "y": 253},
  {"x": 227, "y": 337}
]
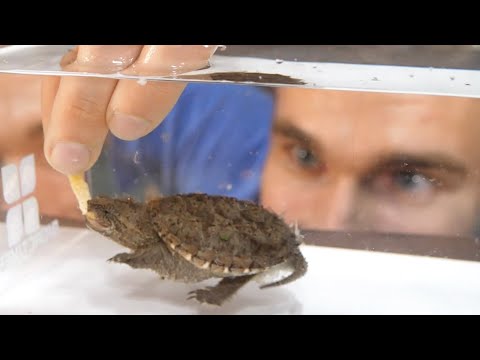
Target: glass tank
[{"x": 346, "y": 176}]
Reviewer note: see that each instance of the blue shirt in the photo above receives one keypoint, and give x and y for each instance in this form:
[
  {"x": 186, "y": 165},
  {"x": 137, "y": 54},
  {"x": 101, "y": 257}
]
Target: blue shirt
[{"x": 215, "y": 140}]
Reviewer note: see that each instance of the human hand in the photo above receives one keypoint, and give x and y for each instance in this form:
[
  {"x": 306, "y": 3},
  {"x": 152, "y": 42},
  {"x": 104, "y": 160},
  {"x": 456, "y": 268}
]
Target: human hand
[{"x": 78, "y": 112}]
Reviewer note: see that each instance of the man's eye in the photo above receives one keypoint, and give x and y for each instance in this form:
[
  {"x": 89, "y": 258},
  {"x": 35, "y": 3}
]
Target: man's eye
[
  {"x": 304, "y": 159},
  {"x": 304, "y": 156},
  {"x": 404, "y": 184},
  {"x": 411, "y": 181}
]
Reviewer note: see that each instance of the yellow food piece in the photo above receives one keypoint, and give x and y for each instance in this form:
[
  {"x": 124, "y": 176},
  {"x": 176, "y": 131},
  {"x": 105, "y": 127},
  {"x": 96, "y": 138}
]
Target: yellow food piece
[{"x": 81, "y": 191}]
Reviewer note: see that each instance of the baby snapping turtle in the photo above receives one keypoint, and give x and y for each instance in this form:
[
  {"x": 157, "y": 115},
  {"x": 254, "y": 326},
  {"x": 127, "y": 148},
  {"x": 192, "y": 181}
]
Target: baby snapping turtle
[{"x": 194, "y": 237}]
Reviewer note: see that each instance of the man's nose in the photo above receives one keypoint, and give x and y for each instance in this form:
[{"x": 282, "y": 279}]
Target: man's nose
[{"x": 341, "y": 204}]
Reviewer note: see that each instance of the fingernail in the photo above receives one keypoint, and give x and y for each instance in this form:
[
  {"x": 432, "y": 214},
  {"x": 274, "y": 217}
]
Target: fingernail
[
  {"x": 70, "y": 158},
  {"x": 128, "y": 127}
]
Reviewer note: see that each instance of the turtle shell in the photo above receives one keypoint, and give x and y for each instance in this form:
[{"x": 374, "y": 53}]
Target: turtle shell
[{"x": 222, "y": 234}]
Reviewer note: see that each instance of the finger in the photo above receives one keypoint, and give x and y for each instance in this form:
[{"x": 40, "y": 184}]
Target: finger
[
  {"x": 76, "y": 129},
  {"x": 74, "y": 109},
  {"x": 166, "y": 59},
  {"x": 135, "y": 109},
  {"x": 49, "y": 91},
  {"x": 100, "y": 58}
]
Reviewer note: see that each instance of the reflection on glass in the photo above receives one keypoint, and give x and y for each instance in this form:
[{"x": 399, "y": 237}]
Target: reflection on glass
[
  {"x": 21, "y": 135},
  {"x": 325, "y": 159},
  {"x": 374, "y": 161}
]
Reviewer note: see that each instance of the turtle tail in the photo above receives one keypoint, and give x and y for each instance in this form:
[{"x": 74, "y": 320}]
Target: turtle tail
[{"x": 299, "y": 264}]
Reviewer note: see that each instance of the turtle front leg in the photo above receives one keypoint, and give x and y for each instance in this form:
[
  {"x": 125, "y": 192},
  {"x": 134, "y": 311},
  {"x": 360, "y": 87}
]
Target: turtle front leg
[
  {"x": 161, "y": 260},
  {"x": 218, "y": 294},
  {"x": 137, "y": 260}
]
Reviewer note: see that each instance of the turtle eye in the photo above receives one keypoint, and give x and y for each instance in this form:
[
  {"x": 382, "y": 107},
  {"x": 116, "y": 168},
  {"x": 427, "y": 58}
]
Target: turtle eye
[{"x": 98, "y": 223}]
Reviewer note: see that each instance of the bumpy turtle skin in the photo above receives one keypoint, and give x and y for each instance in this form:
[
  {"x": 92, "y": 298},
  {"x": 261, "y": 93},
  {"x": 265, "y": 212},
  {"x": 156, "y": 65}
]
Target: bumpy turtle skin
[
  {"x": 194, "y": 237},
  {"x": 224, "y": 234}
]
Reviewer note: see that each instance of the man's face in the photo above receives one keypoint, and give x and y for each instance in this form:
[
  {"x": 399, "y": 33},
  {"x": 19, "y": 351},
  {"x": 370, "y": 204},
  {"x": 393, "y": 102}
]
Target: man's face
[{"x": 372, "y": 161}]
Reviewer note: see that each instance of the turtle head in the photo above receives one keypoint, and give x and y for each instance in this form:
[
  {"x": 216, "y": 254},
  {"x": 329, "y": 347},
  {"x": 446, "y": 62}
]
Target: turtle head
[{"x": 123, "y": 220}]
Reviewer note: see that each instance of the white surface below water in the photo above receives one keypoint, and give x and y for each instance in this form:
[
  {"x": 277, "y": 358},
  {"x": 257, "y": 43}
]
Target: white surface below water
[{"x": 70, "y": 275}]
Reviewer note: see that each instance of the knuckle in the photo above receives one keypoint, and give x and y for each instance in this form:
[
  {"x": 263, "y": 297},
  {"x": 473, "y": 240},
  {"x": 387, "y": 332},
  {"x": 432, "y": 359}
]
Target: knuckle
[{"x": 85, "y": 108}]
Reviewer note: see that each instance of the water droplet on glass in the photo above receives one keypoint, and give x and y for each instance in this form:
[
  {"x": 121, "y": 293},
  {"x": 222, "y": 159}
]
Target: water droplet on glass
[
  {"x": 165, "y": 137},
  {"x": 279, "y": 61},
  {"x": 452, "y": 78},
  {"x": 247, "y": 174},
  {"x": 416, "y": 179},
  {"x": 467, "y": 84},
  {"x": 411, "y": 75},
  {"x": 142, "y": 81},
  {"x": 375, "y": 79},
  {"x": 225, "y": 186},
  {"x": 136, "y": 157},
  {"x": 174, "y": 69}
]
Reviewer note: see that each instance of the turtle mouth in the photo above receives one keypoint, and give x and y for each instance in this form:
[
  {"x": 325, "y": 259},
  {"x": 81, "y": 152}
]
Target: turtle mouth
[{"x": 98, "y": 223}]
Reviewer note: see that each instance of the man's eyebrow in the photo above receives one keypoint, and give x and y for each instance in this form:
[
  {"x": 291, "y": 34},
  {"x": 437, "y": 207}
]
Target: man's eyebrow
[
  {"x": 428, "y": 160},
  {"x": 287, "y": 129},
  {"x": 438, "y": 161}
]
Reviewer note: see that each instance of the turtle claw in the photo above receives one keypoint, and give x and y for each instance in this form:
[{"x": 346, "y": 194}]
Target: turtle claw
[
  {"x": 205, "y": 296},
  {"x": 120, "y": 258}
]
